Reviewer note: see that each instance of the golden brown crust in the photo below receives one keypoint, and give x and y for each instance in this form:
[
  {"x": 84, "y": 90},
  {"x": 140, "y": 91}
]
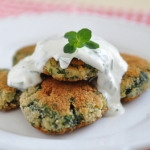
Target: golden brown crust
[
  {"x": 137, "y": 78},
  {"x": 136, "y": 64},
  {"x": 22, "y": 53},
  {"x": 65, "y": 105},
  {"x": 9, "y": 97},
  {"x": 53, "y": 90},
  {"x": 77, "y": 70},
  {"x": 3, "y": 83}
]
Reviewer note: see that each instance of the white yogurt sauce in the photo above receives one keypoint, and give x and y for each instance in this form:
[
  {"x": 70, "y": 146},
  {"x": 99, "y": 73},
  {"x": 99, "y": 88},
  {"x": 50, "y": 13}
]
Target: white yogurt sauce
[{"x": 106, "y": 59}]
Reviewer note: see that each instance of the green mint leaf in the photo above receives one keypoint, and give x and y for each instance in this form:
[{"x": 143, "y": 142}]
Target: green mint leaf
[
  {"x": 80, "y": 44},
  {"x": 91, "y": 45},
  {"x": 79, "y": 39},
  {"x": 72, "y": 40},
  {"x": 69, "y": 48},
  {"x": 84, "y": 35},
  {"x": 71, "y": 34}
]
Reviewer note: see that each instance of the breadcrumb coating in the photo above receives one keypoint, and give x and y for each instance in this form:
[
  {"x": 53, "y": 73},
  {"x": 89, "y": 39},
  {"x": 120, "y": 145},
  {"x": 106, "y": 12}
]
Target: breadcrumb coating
[
  {"x": 22, "y": 53},
  {"x": 137, "y": 78},
  {"x": 56, "y": 107},
  {"x": 9, "y": 97}
]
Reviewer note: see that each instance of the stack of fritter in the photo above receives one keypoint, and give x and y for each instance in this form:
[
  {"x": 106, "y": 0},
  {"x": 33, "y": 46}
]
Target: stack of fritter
[{"x": 64, "y": 100}]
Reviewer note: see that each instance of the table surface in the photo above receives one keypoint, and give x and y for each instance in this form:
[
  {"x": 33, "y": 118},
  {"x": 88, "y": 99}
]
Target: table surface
[
  {"x": 137, "y": 5},
  {"x": 132, "y": 10}
]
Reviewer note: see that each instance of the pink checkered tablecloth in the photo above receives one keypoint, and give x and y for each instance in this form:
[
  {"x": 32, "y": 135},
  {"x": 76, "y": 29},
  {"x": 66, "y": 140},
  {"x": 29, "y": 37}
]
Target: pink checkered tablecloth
[{"x": 16, "y": 8}]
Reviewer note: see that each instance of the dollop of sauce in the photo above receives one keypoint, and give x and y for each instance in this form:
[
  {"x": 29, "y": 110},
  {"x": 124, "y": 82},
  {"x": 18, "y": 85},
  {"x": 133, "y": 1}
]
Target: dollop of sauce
[{"x": 106, "y": 59}]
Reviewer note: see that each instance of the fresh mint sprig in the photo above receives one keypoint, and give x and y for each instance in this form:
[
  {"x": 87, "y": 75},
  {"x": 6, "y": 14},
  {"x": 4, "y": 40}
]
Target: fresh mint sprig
[{"x": 78, "y": 40}]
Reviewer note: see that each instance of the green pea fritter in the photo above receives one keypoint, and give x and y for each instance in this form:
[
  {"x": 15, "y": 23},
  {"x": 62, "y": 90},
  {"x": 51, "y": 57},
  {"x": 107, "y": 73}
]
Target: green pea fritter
[
  {"x": 9, "y": 97},
  {"x": 56, "y": 107},
  {"x": 137, "y": 78},
  {"x": 22, "y": 53},
  {"x": 77, "y": 70}
]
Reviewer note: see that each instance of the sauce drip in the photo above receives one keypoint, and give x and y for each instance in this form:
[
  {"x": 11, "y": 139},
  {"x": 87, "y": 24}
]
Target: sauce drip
[{"x": 106, "y": 59}]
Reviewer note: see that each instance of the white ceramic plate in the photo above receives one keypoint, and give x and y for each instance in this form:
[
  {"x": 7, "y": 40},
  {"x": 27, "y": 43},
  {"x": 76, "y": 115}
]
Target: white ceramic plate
[{"x": 129, "y": 131}]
